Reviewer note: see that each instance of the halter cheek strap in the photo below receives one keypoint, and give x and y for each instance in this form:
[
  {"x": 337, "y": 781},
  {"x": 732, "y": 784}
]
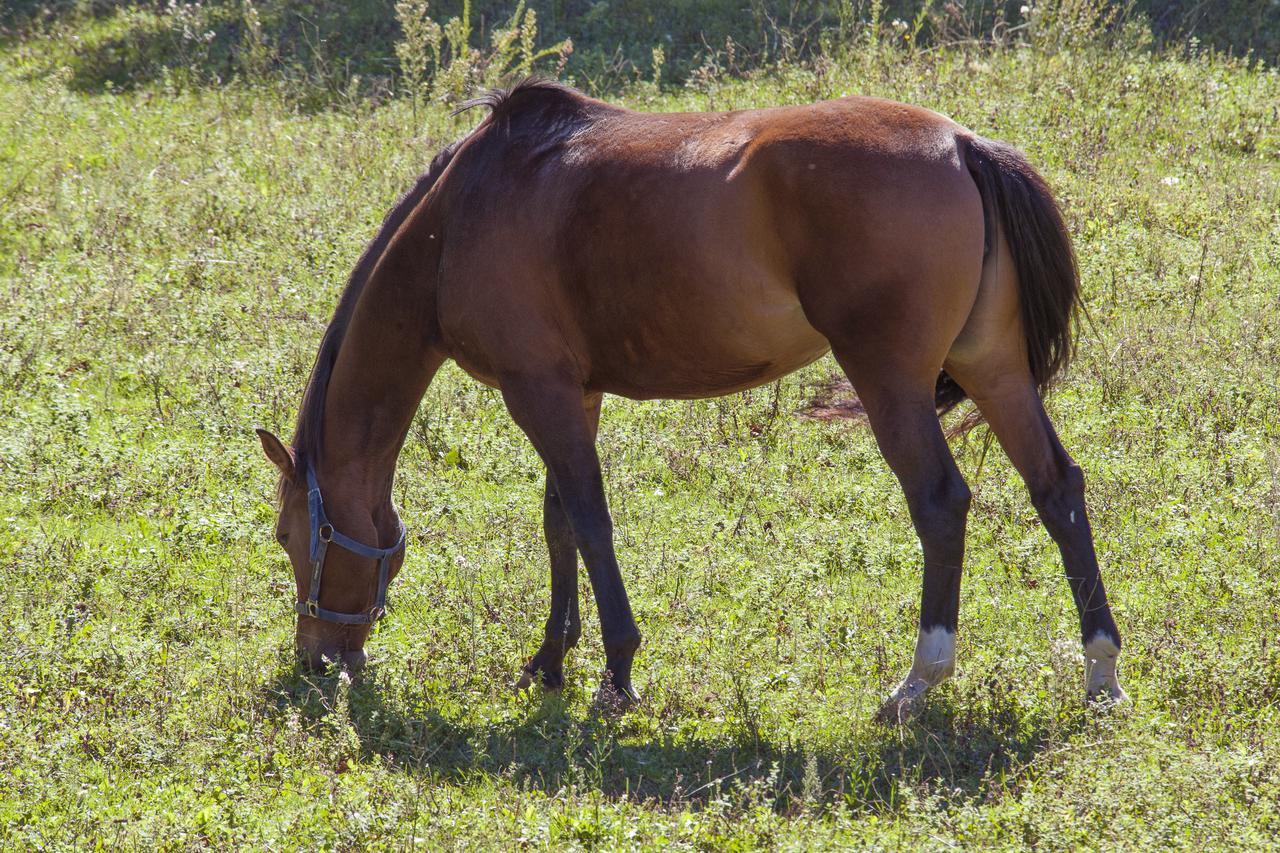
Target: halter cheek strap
[{"x": 323, "y": 535}]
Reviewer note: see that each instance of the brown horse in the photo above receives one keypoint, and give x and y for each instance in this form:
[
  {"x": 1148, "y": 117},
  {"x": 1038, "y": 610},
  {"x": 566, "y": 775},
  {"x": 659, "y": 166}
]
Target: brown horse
[{"x": 567, "y": 248}]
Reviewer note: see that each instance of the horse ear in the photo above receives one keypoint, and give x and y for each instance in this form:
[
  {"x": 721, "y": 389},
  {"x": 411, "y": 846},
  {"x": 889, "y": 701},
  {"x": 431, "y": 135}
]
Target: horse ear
[{"x": 280, "y": 454}]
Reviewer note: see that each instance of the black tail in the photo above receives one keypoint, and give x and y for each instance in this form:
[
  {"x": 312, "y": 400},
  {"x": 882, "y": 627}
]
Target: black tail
[{"x": 1015, "y": 195}]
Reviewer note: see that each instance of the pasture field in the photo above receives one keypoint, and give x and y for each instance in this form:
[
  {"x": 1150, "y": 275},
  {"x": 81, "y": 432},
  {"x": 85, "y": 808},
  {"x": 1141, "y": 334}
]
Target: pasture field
[{"x": 168, "y": 260}]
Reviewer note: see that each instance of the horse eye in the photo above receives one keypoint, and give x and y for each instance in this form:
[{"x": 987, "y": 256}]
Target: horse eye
[{"x": 283, "y": 539}]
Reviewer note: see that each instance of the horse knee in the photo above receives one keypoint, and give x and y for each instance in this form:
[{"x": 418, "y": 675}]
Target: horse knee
[
  {"x": 1068, "y": 482},
  {"x": 623, "y": 645},
  {"x": 943, "y": 513},
  {"x": 556, "y": 528},
  {"x": 1060, "y": 500}
]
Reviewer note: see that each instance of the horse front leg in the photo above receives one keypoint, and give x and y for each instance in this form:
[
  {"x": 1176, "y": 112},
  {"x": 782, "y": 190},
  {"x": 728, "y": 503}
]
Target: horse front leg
[
  {"x": 564, "y": 624},
  {"x": 553, "y": 412}
]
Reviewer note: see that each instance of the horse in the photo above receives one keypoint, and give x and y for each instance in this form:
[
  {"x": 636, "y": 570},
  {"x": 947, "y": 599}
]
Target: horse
[{"x": 567, "y": 248}]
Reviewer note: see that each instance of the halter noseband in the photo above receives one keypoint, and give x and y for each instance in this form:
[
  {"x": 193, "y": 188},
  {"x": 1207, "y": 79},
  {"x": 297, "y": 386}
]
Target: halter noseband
[{"x": 322, "y": 534}]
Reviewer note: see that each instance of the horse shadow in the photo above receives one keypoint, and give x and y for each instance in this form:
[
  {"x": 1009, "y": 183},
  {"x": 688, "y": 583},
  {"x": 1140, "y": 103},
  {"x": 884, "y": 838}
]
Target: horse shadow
[{"x": 972, "y": 751}]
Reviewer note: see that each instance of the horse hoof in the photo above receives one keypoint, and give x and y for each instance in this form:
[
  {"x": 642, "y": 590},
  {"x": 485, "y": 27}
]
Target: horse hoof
[
  {"x": 612, "y": 700},
  {"x": 1109, "y": 698},
  {"x": 897, "y": 712},
  {"x": 904, "y": 704},
  {"x": 550, "y": 683}
]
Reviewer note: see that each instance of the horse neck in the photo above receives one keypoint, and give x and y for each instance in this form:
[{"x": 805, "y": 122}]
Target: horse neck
[{"x": 382, "y": 370}]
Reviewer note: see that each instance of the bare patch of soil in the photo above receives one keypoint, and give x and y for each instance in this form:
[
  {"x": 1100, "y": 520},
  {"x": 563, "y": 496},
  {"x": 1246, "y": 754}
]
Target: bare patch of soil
[{"x": 833, "y": 400}]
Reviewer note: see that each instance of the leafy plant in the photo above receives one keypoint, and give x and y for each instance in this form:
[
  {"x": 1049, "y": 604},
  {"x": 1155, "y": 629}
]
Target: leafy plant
[{"x": 439, "y": 61}]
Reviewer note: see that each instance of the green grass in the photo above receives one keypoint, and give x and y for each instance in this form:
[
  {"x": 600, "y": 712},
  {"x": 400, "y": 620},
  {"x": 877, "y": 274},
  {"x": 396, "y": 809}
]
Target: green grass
[{"x": 168, "y": 262}]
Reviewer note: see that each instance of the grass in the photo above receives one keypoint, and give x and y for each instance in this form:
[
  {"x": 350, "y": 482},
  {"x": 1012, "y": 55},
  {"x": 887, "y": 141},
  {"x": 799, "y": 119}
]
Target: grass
[{"x": 168, "y": 261}]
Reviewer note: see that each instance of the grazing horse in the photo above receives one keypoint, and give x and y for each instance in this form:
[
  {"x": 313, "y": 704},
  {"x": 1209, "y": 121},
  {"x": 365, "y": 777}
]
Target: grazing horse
[{"x": 567, "y": 248}]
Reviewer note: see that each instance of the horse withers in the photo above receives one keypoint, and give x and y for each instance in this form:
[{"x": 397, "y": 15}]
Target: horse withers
[{"x": 567, "y": 248}]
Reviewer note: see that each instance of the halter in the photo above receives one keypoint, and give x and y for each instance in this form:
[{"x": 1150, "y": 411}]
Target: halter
[{"x": 322, "y": 534}]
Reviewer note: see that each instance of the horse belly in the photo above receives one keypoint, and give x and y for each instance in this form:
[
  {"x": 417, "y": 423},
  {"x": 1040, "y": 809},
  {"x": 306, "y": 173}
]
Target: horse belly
[{"x": 706, "y": 343}]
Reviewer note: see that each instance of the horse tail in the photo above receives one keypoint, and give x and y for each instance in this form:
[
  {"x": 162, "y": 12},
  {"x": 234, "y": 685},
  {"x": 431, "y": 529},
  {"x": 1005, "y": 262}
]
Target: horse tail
[{"x": 1017, "y": 199}]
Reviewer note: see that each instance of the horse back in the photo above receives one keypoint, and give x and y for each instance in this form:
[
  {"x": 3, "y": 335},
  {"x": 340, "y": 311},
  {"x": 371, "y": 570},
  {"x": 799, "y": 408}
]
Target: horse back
[{"x": 674, "y": 254}]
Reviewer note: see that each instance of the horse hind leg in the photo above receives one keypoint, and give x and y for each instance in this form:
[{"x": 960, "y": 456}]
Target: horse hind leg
[
  {"x": 1005, "y": 393},
  {"x": 900, "y": 407}
]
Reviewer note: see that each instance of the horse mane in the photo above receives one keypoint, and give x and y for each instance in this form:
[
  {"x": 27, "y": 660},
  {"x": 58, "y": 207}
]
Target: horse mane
[
  {"x": 306, "y": 434},
  {"x": 501, "y": 101}
]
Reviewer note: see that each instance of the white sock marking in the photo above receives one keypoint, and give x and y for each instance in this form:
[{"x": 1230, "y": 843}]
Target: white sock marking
[
  {"x": 934, "y": 662},
  {"x": 1100, "y": 678}
]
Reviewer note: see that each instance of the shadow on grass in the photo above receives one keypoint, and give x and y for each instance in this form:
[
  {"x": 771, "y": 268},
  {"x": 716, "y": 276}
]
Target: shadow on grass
[{"x": 970, "y": 751}]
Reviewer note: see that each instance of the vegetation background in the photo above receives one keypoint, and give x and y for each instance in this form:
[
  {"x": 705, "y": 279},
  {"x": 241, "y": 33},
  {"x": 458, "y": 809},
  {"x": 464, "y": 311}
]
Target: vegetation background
[{"x": 184, "y": 188}]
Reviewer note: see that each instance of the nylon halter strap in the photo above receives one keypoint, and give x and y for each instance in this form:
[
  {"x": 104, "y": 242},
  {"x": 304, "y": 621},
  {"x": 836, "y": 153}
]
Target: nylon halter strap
[{"x": 322, "y": 535}]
